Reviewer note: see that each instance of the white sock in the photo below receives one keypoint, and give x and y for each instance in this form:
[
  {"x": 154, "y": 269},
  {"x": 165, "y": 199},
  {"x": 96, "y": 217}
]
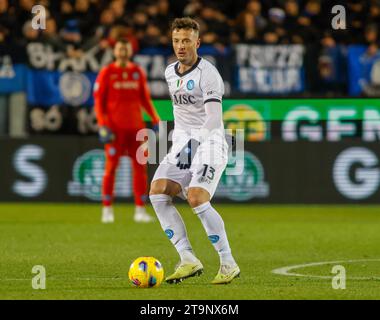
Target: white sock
[
  {"x": 172, "y": 223},
  {"x": 108, "y": 210},
  {"x": 214, "y": 226}
]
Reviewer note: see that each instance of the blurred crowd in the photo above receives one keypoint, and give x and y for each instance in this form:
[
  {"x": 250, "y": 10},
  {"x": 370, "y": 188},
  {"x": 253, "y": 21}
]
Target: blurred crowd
[{"x": 75, "y": 25}]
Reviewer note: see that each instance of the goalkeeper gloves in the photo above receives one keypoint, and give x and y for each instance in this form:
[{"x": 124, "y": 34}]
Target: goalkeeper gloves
[
  {"x": 106, "y": 135},
  {"x": 187, "y": 153}
]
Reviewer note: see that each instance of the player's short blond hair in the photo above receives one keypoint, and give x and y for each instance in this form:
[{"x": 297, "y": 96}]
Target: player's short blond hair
[{"x": 185, "y": 23}]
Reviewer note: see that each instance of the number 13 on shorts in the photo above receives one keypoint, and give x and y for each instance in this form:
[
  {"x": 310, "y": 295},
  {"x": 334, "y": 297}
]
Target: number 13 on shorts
[{"x": 207, "y": 177}]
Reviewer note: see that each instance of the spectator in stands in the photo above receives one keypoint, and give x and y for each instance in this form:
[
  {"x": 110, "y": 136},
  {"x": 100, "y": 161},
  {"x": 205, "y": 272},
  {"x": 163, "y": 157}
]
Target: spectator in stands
[
  {"x": 313, "y": 12},
  {"x": 70, "y": 33},
  {"x": 307, "y": 31},
  {"x": 328, "y": 40},
  {"x": 4, "y": 35},
  {"x": 371, "y": 39},
  {"x": 29, "y": 33},
  {"x": 217, "y": 30},
  {"x": 270, "y": 36},
  {"x": 118, "y": 9},
  {"x": 152, "y": 36},
  {"x": 157, "y": 25},
  {"x": 140, "y": 22},
  {"x": 356, "y": 20},
  {"x": 85, "y": 21},
  {"x": 192, "y": 8},
  {"x": 24, "y": 13},
  {"x": 371, "y": 34},
  {"x": 374, "y": 13},
  {"x": 66, "y": 12},
  {"x": 276, "y": 21},
  {"x": 151, "y": 9},
  {"x": 272, "y": 21},
  {"x": 292, "y": 11},
  {"x": 164, "y": 18},
  {"x": 7, "y": 20},
  {"x": 50, "y": 35},
  {"x": 120, "y": 32},
  {"x": 107, "y": 20},
  {"x": 72, "y": 38},
  {"x": 249, "y": 23}
]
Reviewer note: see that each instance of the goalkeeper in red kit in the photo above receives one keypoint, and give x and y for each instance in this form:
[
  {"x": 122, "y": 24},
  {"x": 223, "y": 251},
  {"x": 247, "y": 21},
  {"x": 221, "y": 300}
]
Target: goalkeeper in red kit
[{"x": 121, "y": 93}]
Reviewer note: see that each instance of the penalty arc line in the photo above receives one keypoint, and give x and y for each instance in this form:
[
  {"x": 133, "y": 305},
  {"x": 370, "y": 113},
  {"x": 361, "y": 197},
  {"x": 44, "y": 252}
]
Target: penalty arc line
[{"x": 285, "y": 271}]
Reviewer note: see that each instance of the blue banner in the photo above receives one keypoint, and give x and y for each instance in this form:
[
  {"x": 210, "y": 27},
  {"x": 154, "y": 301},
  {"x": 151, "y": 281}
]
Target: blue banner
[
  {"x": 12, "y": 77},
  {"x": 271, "y": 69},
  {"x": 12, "y": 69},
  {"x": 364, "y": 71},
  {"x": 47, "y": 88}
]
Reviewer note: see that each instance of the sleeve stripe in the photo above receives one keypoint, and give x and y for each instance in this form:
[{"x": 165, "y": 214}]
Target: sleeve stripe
[{"x": 213, "y": 100}]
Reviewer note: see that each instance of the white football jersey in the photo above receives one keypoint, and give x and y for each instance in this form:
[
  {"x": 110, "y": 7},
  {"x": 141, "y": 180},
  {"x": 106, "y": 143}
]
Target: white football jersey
[{"x": 190, "y": 91}]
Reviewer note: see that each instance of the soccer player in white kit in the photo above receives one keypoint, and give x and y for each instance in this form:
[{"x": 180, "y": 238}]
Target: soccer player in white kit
[{"x": 198, "y": 157}]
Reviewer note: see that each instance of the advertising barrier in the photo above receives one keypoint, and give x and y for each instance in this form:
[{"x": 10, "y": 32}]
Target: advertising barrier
[
  {"x": 70, "y": 169},
  {"x": 262, "y": 119}
]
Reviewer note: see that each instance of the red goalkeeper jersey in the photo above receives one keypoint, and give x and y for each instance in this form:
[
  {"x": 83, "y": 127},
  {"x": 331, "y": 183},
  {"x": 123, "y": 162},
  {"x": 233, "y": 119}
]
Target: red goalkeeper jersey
[{"x": 120, "y": 94}]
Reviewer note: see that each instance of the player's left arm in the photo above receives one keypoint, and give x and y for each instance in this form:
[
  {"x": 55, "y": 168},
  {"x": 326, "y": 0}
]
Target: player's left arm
[
  {"x": 213, "y": 89},
  {"x": 146, "y": 100}
]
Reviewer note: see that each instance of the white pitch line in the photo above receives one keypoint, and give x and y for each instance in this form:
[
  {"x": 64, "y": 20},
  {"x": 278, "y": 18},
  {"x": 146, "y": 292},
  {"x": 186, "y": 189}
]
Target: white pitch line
[{"x": 284, "y": 271}]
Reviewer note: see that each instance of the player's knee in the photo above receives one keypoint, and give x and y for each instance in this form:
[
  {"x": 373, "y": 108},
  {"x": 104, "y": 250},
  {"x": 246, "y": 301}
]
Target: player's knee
[
  {"x": 194, "y": 201},
  {"x": 159, "y": 187},
  {"x": 197, "y": 197}
]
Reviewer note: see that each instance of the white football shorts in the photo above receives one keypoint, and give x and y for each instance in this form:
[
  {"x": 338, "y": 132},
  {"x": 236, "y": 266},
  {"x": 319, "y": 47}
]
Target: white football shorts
[{"x": 206, "y": 168}]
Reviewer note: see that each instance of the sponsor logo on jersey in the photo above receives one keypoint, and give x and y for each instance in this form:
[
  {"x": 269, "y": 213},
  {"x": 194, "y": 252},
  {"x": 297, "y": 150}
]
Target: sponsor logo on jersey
[
  {"x": 250, "y": 184},
  {"x": 190, "y": 85},
  {"x": 126, "y": 85},
  {"x": 183, "y": 99},
  {"x": 88, "y": 173}
]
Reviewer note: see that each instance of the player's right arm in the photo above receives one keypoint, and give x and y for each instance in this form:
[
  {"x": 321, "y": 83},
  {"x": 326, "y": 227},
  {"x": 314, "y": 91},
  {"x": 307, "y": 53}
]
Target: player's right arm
[{"x": 100, "y": 99}]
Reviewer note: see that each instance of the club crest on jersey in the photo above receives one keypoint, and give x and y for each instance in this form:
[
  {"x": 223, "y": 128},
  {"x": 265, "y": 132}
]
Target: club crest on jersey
[
  {"x": 190, "y": 85},
  {"x": 135, "y": 76},
  {"x": 179, "y": 83}
]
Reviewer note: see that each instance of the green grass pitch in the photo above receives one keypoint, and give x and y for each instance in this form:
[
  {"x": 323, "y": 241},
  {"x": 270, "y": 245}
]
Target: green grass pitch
[{"x": 85, "y": 259}]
